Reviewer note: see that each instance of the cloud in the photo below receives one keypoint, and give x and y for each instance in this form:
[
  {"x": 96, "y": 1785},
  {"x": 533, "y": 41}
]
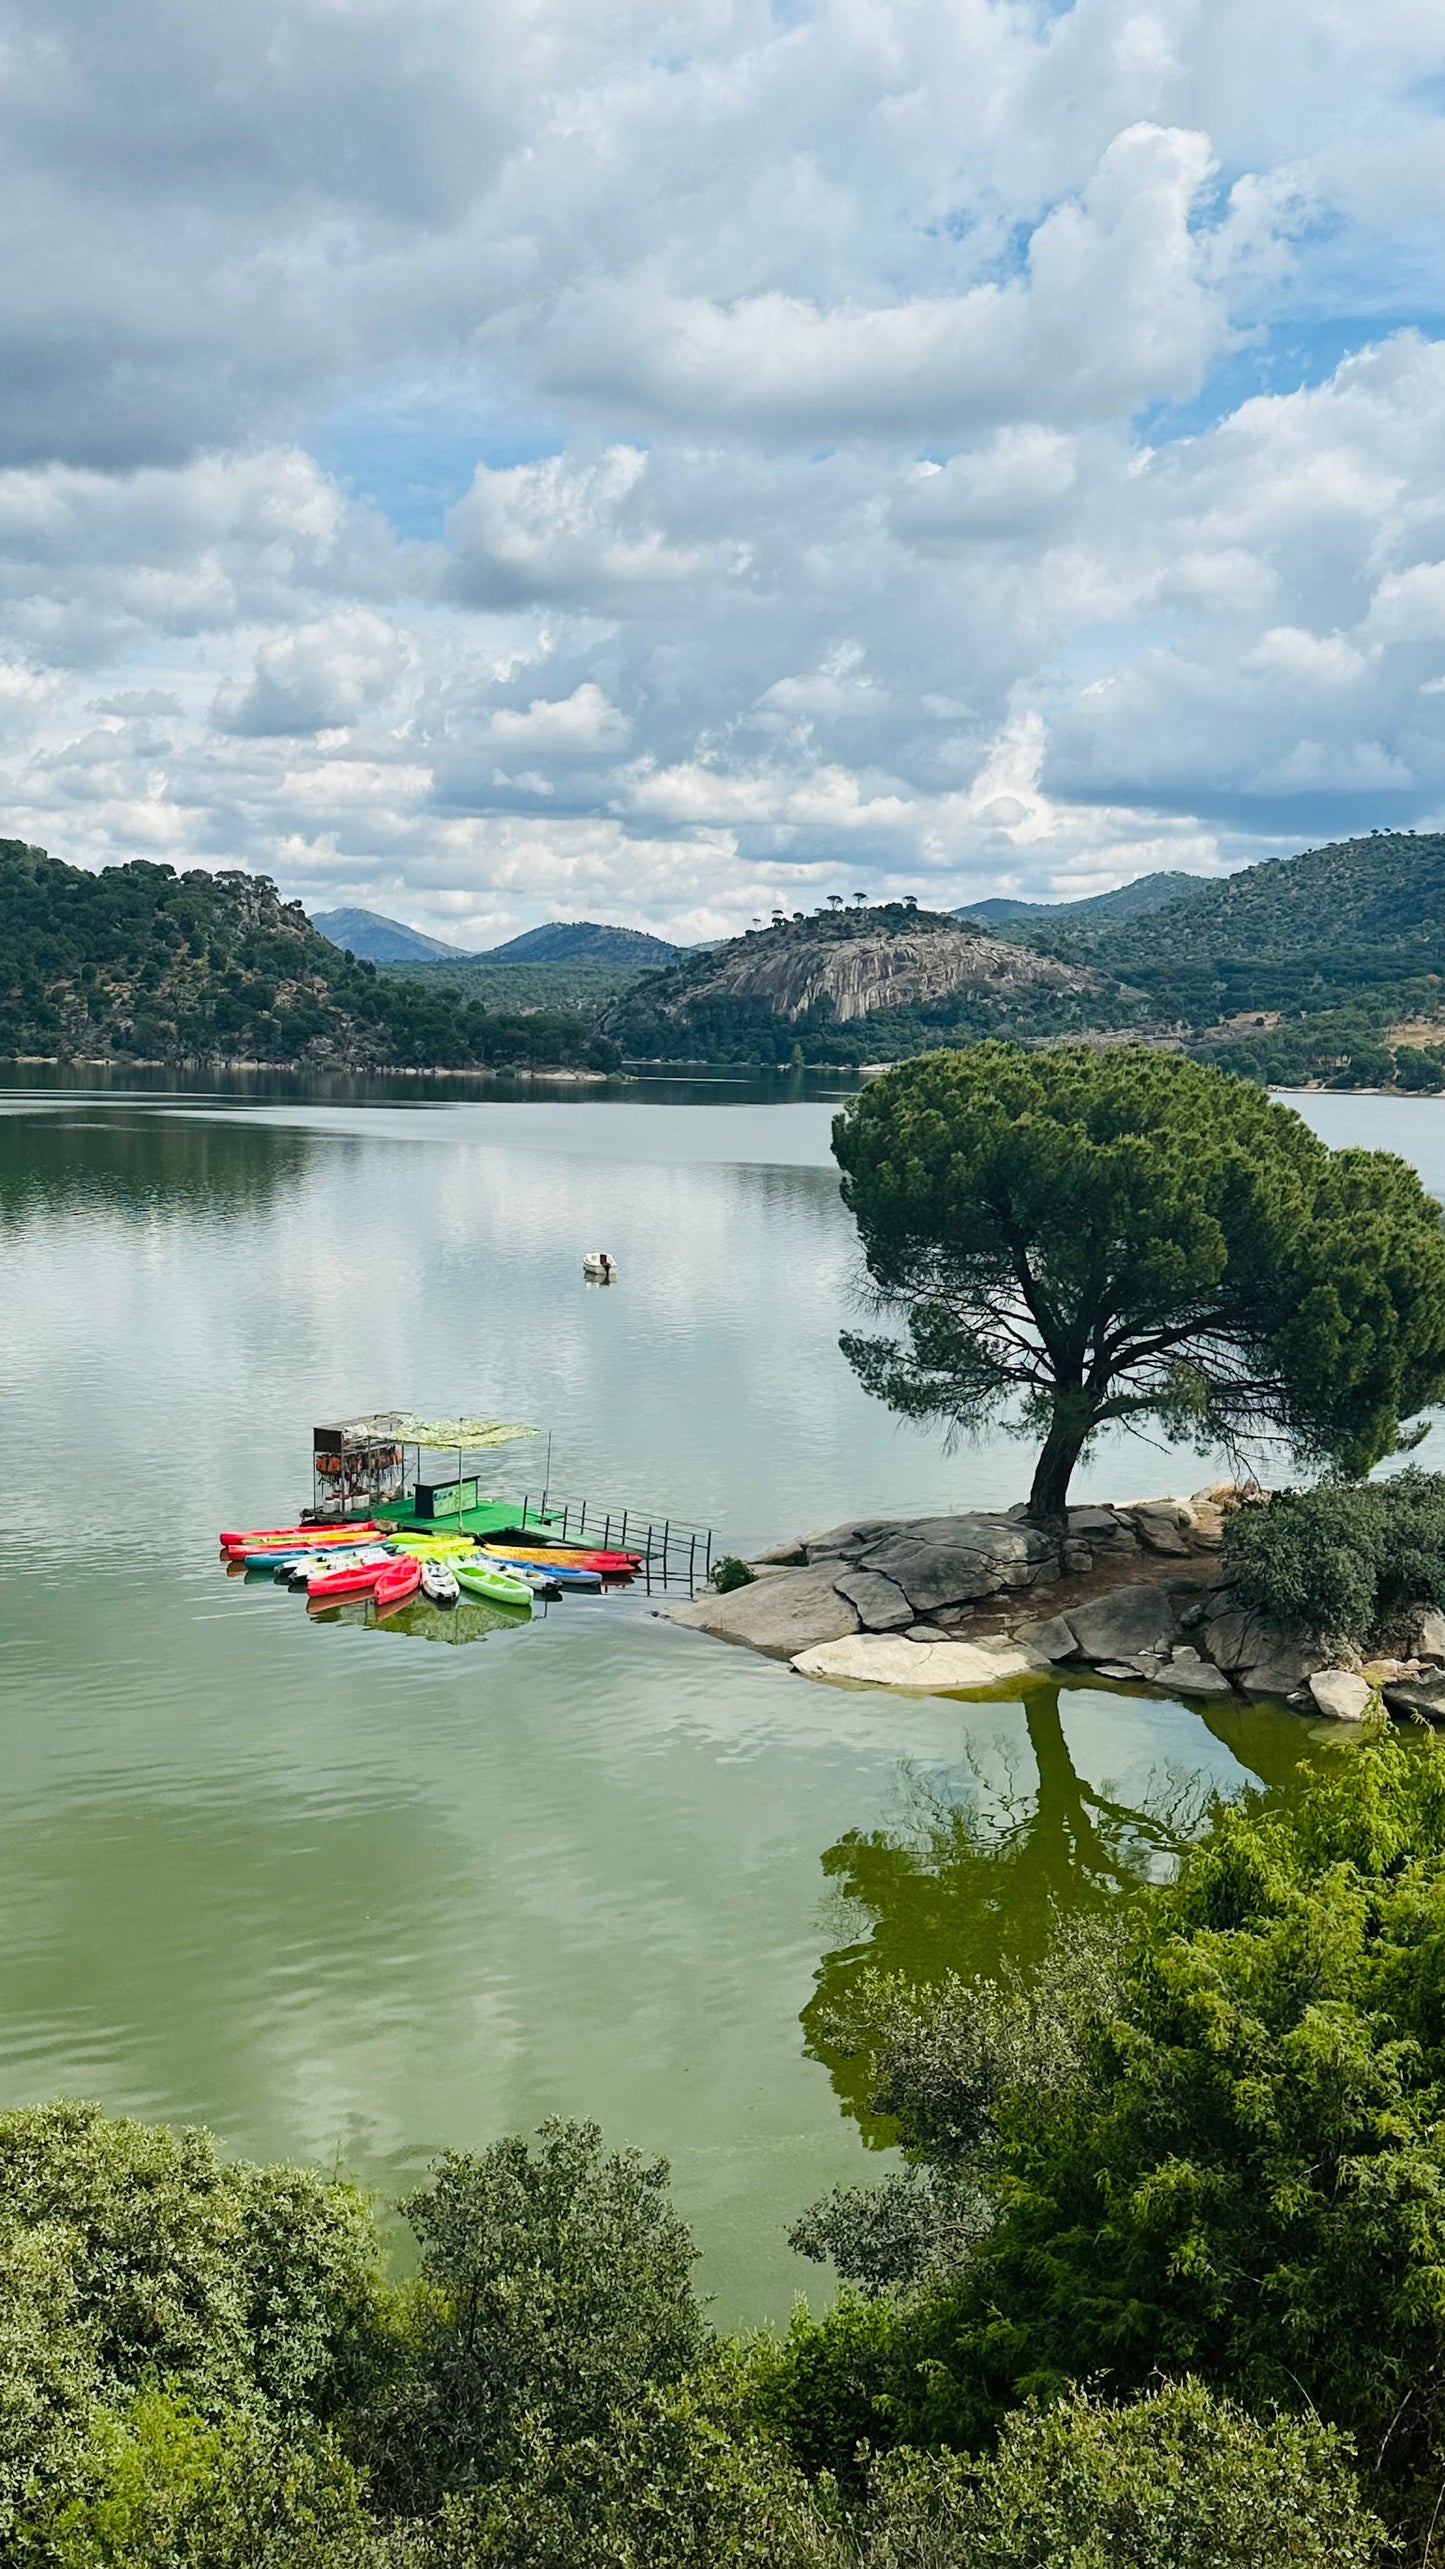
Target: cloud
[
  {"x": 916, "y": 440},
  {"x": 582, "y": 721},
  {"x": 316, "y": 678}
]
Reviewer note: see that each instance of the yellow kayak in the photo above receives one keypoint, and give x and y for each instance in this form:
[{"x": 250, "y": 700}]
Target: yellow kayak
[{"x": 433, "y": 1547}]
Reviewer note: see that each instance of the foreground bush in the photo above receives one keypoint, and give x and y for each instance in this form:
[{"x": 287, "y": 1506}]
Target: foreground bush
[
  {"x": 1345, "y": 1557},
  {"x": 1179, "y": 2480},
  {"x": 1244, "y": 2179}
]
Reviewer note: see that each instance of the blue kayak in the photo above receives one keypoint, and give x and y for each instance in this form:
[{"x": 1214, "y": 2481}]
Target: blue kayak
[{"x": 550, "y": 1570}]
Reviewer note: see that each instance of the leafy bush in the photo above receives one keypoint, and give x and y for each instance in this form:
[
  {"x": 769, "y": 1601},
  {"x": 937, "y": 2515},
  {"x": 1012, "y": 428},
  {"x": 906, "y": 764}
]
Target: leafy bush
[
  {"x": 1178, "y": 2480},
  {"x": 1248, "y": 2183},
  {"x": 730, "y": 1573},
  {"x": 1345, "y": 1557},
  {"x": 556, "y": 2285}
]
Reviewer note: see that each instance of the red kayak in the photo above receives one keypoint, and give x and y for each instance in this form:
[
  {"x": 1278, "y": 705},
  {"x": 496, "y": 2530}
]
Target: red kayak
[
  {"x": 395, "y": 1582},
  {"x": 286, "y": 1537},
  {"x": 358, "y": 1581}
]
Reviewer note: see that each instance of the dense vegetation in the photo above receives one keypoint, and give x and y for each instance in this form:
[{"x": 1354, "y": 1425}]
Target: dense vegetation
[
  {"x": 1219, "y": 2152},
  {"x": 1077, "y": 1237},
  {"x": 586, "y": 941},
  {"x": 139, "y": 963},
  {"x": 1343, "y": 942},
  {"x": 1348, "y": 1558},
  {"x": 1159, "y": 2286},
  {"x": 520, "y": 989}
]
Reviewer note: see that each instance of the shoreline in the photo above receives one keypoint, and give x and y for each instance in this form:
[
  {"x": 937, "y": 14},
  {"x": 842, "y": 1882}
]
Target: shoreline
[{"x": 302, "y": 1069}]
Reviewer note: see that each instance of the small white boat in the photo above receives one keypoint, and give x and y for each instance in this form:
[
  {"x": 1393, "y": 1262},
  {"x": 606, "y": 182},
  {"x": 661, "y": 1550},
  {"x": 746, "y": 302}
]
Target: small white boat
[
  {"x": 598, "y": 1267},
  {"x": 439, "y": 1583}
]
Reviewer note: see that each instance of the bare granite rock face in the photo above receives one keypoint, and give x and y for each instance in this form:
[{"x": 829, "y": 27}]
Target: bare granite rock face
[
  {"x": 1133, "y": 1623},
  {"x": 879, "y": 1602},
  {"x": 879, "y": 1599},
  {"x": 781, "y": 1615}
]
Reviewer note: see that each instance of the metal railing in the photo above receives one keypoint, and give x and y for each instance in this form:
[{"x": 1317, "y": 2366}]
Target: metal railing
[{"x": 673, "y": 1552}]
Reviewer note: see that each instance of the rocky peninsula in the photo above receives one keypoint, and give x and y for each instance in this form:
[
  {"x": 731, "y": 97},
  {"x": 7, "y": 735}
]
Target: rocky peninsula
[{"x": 1135, "y": 1591}]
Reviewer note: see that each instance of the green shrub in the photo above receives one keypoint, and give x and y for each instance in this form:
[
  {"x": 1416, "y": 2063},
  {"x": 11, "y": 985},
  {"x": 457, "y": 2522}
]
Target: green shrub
[
  {"x": 1248, "y": 2185},
  {"x": 730, "y": 1573},
  {"x": 1345, "y": 1557},
  {"x": 1178, "y": 2480},
  {"x": 556, "y": 2285},
  {"x": 161, "y": 2487}
]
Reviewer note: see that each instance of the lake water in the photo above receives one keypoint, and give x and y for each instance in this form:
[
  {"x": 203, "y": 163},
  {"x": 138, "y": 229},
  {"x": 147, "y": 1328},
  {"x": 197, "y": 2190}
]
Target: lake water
[{"x": 346, "y": 1895}]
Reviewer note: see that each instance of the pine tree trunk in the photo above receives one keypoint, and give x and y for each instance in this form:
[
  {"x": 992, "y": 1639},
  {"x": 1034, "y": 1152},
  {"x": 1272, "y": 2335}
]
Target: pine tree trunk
[{"x": 1049, "y": 1497}]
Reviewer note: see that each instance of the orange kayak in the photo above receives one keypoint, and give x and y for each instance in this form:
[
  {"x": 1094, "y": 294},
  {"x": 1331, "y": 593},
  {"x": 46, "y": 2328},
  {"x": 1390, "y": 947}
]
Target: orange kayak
[
  {"x": 285, "y": 1538},
  {"x": 567, "y": 1556}
]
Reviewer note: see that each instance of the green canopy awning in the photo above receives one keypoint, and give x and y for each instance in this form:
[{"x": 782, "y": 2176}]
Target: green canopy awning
[{"x": 461, "y": 1435}]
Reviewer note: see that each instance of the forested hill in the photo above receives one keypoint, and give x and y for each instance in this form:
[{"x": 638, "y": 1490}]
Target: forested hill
[
  {"x": 1358, "y": 911},
  {"x": 138, "y": 963}
]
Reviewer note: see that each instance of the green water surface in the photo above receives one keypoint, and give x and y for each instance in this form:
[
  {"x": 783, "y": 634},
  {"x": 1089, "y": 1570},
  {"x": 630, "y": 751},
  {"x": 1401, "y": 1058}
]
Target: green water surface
[{"x": 347, "y": 1894}]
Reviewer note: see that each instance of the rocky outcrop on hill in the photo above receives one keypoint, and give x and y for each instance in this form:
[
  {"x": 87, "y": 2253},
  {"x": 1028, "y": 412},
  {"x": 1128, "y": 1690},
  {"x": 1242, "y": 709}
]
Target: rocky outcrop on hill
[
  {"x": 796, "y": 974},
  {"x": 920, "y": 974},
  {"x": 1135, "y": 1592}
]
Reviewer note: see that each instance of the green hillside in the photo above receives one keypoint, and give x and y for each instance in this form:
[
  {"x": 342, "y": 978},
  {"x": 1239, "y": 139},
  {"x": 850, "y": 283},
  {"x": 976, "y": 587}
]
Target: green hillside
[
  {"x": 852, "y": 986},
  {"x": 1341, "y": 943},
  {"x": 522, "y": 988},
  {"x": 138, "y": 963}
]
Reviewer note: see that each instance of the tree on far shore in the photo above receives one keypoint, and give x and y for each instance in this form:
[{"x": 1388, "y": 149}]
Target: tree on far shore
[{"x": 1077, "y": 1239}]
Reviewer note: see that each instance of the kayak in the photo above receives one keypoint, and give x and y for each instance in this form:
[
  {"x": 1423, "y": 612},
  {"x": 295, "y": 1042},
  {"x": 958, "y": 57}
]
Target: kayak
[
  {"x": 439, "y": 1583},
  {"x": 294, "y": 1543},
  {"x": 483, "y": 1579},
  {"x": 567, "y": 1556},
  {"x": 305, "y": 1567},
  {"x": 557, "y": 1575},
  {"x": 433, "y": 1547},
  {"x": 397, "y": 1580},
  {"x": 255, "y": 1536},
  {"x": 354, "y": 1577}
]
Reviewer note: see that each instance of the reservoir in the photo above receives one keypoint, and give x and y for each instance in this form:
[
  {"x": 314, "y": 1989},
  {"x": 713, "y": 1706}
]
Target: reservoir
[{"x": 349, "y": 1896}]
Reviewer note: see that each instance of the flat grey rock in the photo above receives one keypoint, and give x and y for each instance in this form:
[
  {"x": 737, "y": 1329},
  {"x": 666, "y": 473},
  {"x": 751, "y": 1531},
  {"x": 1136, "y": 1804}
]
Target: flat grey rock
[
  {"x": 919, "y": 1668},
  {"x": 787, "y": 1612},
  {"x": 847, "y": 1542},
  {"x": 1130, "y": 1621},
  {"x": 881, "y": 1605},
  {"x": 1053, "y": 1638},
  {"x": 1191, "y": 1675}
]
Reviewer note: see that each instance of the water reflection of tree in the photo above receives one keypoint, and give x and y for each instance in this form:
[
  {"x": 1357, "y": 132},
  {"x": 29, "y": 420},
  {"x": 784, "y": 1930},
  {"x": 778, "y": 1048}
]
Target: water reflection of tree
[
  {"x": 69, "y": 1160},
  {"x": 970, "y": 1881}
]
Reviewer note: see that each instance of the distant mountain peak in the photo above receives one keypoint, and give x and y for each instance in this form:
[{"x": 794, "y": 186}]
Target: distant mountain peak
[
  {"x": 584, "y": 941},
  {"x": 375, "y": 939}
]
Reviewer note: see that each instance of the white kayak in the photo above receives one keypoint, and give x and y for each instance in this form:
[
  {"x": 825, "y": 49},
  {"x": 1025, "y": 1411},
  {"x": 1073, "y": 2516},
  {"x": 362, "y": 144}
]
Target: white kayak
[{"x": 439, "y": 1583}]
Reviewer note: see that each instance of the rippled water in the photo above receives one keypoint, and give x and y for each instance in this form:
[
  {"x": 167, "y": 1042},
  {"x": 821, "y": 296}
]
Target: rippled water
[{"x": 342, "y": 1893}]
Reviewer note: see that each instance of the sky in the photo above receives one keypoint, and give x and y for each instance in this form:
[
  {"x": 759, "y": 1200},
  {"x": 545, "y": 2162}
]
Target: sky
[{"x": 498, "y": 460}]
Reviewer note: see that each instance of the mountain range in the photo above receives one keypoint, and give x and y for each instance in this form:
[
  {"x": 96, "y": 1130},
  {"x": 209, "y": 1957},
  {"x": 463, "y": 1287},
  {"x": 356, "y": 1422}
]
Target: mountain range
[{"x": 372, "y": 938}]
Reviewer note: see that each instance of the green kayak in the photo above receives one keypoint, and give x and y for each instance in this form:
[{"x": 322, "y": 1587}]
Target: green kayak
[{"x": 485, "y": 1579}]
